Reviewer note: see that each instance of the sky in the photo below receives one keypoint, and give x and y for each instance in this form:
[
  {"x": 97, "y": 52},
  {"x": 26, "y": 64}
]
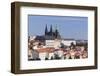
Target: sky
[{"x": 73, "y": 27}]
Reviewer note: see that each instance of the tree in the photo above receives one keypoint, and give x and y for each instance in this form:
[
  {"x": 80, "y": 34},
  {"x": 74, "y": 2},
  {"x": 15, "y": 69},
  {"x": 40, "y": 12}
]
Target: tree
[
  {"x": 62, "y": 45},
  {"x": 72, "y": 45}
]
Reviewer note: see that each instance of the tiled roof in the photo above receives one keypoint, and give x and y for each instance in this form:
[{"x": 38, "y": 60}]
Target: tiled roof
[{"x": 49, "y": 50}]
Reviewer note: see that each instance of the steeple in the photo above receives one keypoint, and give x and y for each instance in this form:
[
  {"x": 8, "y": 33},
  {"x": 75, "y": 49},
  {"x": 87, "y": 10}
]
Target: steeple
[
  {"x": 57, "y": 35},
  {"x": 46, "y": 30},
  {"x": 52, "y": 34},
  {"x": 56, "y": 32},
  {"x": 51, "y": 30}
]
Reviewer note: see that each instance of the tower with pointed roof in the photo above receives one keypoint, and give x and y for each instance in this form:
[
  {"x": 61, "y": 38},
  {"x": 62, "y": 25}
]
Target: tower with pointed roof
[
  {"x": 46, "y": 30},
  {"x": 51, "y": 31},
  {"x": 52, "y": 34},
  {"x": 57, "y": 34}
]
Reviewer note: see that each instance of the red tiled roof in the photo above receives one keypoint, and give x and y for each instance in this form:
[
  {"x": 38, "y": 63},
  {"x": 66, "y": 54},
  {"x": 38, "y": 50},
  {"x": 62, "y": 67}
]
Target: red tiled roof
[{"x": 49, "y": 50}]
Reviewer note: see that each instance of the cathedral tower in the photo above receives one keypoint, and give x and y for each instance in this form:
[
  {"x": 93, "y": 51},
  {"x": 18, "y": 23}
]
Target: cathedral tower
[{"x": 46, "y": 30}]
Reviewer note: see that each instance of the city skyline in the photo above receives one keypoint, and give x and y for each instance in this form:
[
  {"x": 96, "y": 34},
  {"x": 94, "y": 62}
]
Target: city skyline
[{"x": 68, "y": 26}]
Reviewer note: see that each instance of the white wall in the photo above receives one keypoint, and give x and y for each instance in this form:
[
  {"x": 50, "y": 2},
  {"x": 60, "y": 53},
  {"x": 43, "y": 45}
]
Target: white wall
[
  {"x": 68, "y": 42},
  {"x": 49, "y": 43},
  {"x": 5, "y": 32}
]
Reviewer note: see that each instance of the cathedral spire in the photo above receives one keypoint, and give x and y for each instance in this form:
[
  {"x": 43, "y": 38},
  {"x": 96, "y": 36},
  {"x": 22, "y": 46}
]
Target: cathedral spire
[
  {"x": 57, "y": 34},
  {"x": 51, "y": 29},
  {"x": 46, "y": 30},
  {"x": 56, "y": 31}
]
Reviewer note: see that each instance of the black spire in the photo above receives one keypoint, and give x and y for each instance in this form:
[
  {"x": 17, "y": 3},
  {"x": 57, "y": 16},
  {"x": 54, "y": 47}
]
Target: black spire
[
  {"x": 46, "y": 30},
  {"x": 51, "y": 29},
  {"x": 57, "y": 35}
]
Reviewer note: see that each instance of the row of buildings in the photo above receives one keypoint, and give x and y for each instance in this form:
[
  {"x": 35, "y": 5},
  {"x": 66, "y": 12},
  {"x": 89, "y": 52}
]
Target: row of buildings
[{"x": 52, "y": 46}]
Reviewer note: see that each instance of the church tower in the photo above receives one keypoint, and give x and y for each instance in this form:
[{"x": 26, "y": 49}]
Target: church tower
[
  {"x": 57, "y": 34},
  {"x": 51, "y": 31},
  {"x": 46, "y": 30},
  {"x": 52, "y": 34}
]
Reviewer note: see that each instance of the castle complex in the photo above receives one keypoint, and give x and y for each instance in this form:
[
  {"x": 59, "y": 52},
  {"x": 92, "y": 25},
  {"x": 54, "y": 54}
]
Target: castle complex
[{"x": 51, "y": 46}]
